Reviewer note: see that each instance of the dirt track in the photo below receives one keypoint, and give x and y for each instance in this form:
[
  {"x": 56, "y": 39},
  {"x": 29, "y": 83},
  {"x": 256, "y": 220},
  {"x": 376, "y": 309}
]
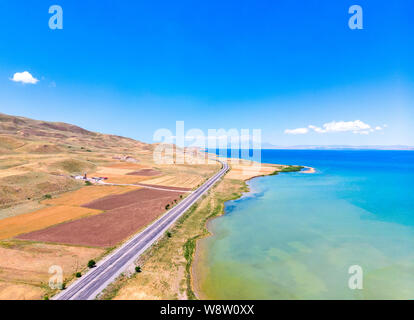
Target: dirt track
[{"x": 125, "y": 215}]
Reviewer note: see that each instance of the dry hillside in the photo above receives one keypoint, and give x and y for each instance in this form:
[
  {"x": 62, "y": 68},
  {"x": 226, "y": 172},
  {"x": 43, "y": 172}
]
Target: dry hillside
[{"x": 37, "y": 157}]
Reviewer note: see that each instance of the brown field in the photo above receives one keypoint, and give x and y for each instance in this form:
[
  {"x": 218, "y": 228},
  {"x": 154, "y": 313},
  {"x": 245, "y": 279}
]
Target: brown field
[
  {"x": 87, "y": 194},
  {"x": 19, "y": 291},
  {"x": 127, "y": 213},
  {"x": 125, "y": 173},
  {"x": 13, "y": 226},
  {"x": 166, "y": 265},
  {"x": 145, "y": 173},
  {"x": 126, "y": 165},
  {"x": 182, "y": 180},
  {"x": 165, "y": 187},
  {"x": 124, "y": 179},
  {"x": 115, "y": 171},
  {"x": 24, "y": 266}
]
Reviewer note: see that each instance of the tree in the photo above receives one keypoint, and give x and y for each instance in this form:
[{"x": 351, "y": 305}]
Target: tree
[
  {"x": 137, "y": 269},
  {"x": 78, "y": 274}
]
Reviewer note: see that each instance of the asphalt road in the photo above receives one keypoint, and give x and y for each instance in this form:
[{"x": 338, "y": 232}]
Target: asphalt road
[{"x": 108, "y": 269}]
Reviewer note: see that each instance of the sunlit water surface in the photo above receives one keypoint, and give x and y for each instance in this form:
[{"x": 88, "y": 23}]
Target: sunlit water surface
[{"x": 296, "y": 235}]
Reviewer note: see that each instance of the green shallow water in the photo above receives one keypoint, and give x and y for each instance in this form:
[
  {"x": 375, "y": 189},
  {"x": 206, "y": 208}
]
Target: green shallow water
[{"x": 296, "y": 235}]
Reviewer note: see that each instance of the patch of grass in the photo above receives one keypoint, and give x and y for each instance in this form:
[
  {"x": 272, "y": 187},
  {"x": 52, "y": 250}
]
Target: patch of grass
[
  {"x": 73, "y": 165},
  {"x": 189, "y": 248},
  {"x": 292, "y": 169},
  {"x": 287, "y": 169}
]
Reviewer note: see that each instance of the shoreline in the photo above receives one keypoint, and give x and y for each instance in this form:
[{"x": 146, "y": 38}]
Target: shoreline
[
  {"x": 198, "y": 254},
  {"x": 197, "y": 258},
  {"x": 309, "y": 170}
]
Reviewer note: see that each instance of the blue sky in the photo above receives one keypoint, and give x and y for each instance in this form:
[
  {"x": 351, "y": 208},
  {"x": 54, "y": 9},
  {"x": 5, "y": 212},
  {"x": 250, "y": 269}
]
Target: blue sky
[{"x": 132, "y": 67}]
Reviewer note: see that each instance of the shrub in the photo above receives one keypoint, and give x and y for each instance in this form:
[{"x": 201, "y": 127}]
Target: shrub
[
  {"x": 78, "y": 274},
  {"x": 137, "y": 269},
  {"x": 48, "y": 196},
  {"x": 88, "y": 183},
  {"x": 46, "y": 298},
  {"x": 168, "y": 234},
  {"x": 167, "y": 206},
  {"x": 91, "y": 264}
]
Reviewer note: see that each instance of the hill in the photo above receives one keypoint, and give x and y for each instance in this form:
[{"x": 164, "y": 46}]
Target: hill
[
  {"x": 22, "y": 135},
  {"x": 37, "y": 157}
]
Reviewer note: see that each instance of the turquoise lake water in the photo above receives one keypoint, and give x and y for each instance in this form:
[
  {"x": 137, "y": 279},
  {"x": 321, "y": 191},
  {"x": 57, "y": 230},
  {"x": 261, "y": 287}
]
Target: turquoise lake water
[{"x": 295, "y": 235}]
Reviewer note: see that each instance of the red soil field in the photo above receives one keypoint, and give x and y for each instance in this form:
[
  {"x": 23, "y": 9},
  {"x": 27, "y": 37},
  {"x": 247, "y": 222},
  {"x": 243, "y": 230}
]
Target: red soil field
[
  {"x": 166, "y": 187},
  {"x": 127, "y": 214},
  {"x": 145, "y": 173}
]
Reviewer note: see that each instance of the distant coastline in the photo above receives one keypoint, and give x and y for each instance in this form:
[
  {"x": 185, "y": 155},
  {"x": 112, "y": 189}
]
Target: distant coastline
[{"x": 339, "y": 147}]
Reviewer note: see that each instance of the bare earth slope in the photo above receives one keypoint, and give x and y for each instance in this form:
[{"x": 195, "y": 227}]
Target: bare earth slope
[{"x": 37, "y": 157}]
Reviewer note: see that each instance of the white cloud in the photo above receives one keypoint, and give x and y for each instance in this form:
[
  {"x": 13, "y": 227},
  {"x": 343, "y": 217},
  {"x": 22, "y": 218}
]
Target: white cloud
[
  {"x": 343, "y": 126},
  {"x": 356, "y": 127},
  {"x": 297, "y": 131},
  {"x": 24, "y": 77},
  {"x": 316, "y": 129}
]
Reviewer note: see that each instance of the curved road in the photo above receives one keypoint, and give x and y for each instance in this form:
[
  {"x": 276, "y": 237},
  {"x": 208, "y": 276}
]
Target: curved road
[{"x": 108, "y": 269}]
